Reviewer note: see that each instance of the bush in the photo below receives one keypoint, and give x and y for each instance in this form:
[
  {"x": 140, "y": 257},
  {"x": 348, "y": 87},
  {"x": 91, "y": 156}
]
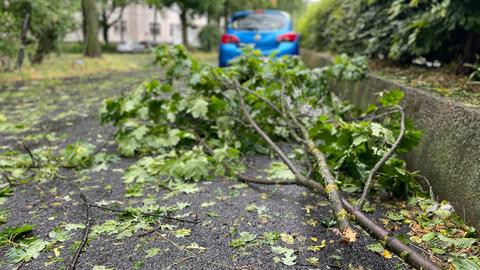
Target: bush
[
  {"x": 209, "y": 37},
  {"x": 400, "y": 30},
  {"x": 316, "y": 17},
  {"x": 79, "y": 47},
  {"x": 8, "y": 40}
]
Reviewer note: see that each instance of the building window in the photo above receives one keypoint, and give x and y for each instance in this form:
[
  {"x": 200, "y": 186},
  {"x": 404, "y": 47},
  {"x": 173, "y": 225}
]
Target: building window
[
  {"x": 174, "y": 28},
  {"x": 121, "y": 26},
  {"x": 155, "y": 29}
]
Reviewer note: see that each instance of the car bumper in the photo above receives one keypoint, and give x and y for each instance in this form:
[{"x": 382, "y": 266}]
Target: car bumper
[{"x": 228, "y": 52}]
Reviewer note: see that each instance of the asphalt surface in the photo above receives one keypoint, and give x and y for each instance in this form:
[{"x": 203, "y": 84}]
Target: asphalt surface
[{"x": 219, "y": 205}]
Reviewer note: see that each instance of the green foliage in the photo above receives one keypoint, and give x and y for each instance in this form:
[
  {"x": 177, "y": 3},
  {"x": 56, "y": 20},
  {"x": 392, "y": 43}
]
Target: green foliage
[
  {"x": 243, "y": 239},
  {"x": 289, "y": 256},
  {"x": 196, "y": 128},
  {"x": 209, "y": 37},
  {"x": 400, "y": 30},
  {"x": 78, "y": 154},
  {"x": 12, "y": 234},
  {"x": 9, "y": 39},
  {"x": 49, "y": 22}
]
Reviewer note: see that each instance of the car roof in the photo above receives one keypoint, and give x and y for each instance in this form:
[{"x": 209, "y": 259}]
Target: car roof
[{"x": 265, "y": 11}]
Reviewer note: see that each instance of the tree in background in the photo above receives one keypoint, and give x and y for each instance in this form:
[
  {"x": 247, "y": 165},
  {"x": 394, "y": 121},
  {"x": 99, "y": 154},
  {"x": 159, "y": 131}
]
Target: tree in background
[
  {"x": 294, "y": 7},
  {"x": 109, "y": 8},
  {"x": 9, "y": 39},
  {"x": 33, "y": 27},
  {"x": 188, "y": 10},
  {"x": 50, "y": 27},
  {"x": 231, "y": 6},
  {"x": 92, "y": 45}
]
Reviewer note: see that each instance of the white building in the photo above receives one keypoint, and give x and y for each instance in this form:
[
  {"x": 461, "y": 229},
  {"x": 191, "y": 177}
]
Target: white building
[{"x": 141, "y": 22}]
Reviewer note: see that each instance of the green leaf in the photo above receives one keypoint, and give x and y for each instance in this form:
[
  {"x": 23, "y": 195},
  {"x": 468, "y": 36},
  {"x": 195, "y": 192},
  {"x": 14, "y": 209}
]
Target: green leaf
[
  {"x": 394, "y": 216},
  {"x": 78, "y": 154},
  {"x": 11, "y": 233},
  {"x": 31, "y": 251},
  {"x": 289, "y": 256},
  {"x": 180, "y": 233},
  {"x": 376, "y": 247},
  {"x": 279, "y": 171},
  {"x": 152, "y": 252},
  {"x": 391, "y": 98},
  {"x": 245, "y": 237},
  {"x": 465, "y": 264},
  {"x": 199, "y": 108}
]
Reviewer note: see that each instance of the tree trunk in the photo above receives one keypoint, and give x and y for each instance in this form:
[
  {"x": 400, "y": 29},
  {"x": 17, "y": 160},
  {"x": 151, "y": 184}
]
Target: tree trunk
[
  {"x": 105, "y": 27},
  {"x": 84, "y": 25},
  {"x": 92, "y": 46},
  {"x": 184, "y": 23},
  {"x": 46, "y": 44},
  {"x": 24, "y": 39},
  {"x": 226, "y": 11}
]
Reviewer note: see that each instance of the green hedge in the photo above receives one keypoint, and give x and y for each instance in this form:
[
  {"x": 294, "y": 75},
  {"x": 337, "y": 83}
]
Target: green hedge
[{"x": 401, "y": 30}]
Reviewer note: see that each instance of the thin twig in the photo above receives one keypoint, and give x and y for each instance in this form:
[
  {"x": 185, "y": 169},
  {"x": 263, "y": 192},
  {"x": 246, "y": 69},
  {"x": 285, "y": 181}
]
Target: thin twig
[
  {"x": 375, "y": 116},
  {"x": 432, "y": 195},
  {"x": 264, "y": 99},
  {"x": 9, "y": 181},
  {"x": 145, "y": 214},
  {"x": 20, "y": 265},
  {"x": 27, "y": 149},
  {"x": 384, "y": 159},
  {"x": 86, "y": 231}
]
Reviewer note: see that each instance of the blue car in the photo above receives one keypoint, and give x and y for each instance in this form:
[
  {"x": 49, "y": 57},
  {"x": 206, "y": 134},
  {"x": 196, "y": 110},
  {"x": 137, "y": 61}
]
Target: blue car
[{"x": 267, "y": 30}]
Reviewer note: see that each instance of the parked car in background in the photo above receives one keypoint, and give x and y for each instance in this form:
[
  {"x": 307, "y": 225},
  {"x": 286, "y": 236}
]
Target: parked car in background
[
  {"x": 130, "y": 47},
  {"x": 266, "y": 30}
]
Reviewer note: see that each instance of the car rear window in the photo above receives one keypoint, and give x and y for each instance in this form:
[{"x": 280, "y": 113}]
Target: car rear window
[{"x": 259, "y": 21}]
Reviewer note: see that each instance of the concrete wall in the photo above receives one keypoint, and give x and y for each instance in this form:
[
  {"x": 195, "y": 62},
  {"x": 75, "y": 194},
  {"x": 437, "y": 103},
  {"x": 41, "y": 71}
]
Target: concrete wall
[{"x": 449, "y": 153}]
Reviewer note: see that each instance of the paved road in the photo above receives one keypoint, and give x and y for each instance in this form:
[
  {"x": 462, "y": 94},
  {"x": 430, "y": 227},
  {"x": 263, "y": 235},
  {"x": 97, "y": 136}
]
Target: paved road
[{"x": 66, "y": 111}]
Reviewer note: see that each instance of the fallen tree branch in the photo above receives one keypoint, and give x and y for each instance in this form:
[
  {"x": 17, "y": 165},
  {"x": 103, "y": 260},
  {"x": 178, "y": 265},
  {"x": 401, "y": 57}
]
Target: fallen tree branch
[
  {"x": 341, "y": 215},
  {"x": 382, "y": 161},
  {"x": 86, "y": 231},
  {"x": 394, "y": 244},
  {"x": 331, "y": 187}
]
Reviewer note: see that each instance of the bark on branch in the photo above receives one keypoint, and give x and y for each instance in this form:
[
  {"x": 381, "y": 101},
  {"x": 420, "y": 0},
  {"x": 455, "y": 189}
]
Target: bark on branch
[
  {"x": 395, "y": 245},
  {"x": 332, "y": 189}
]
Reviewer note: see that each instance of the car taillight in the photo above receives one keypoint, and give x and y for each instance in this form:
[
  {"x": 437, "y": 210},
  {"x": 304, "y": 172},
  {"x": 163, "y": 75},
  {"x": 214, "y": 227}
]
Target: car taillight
[
  {"x": 288, "y": 37},
  {"x": 230, "y": 39}
]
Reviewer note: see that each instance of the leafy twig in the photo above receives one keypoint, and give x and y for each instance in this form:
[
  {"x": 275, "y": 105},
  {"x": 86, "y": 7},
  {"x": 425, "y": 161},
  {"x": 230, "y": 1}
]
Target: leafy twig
[
  {"x": 384, "y": 159},
  {"x": 342, "y": 216},
  {"x": 195, "y": 221}
]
